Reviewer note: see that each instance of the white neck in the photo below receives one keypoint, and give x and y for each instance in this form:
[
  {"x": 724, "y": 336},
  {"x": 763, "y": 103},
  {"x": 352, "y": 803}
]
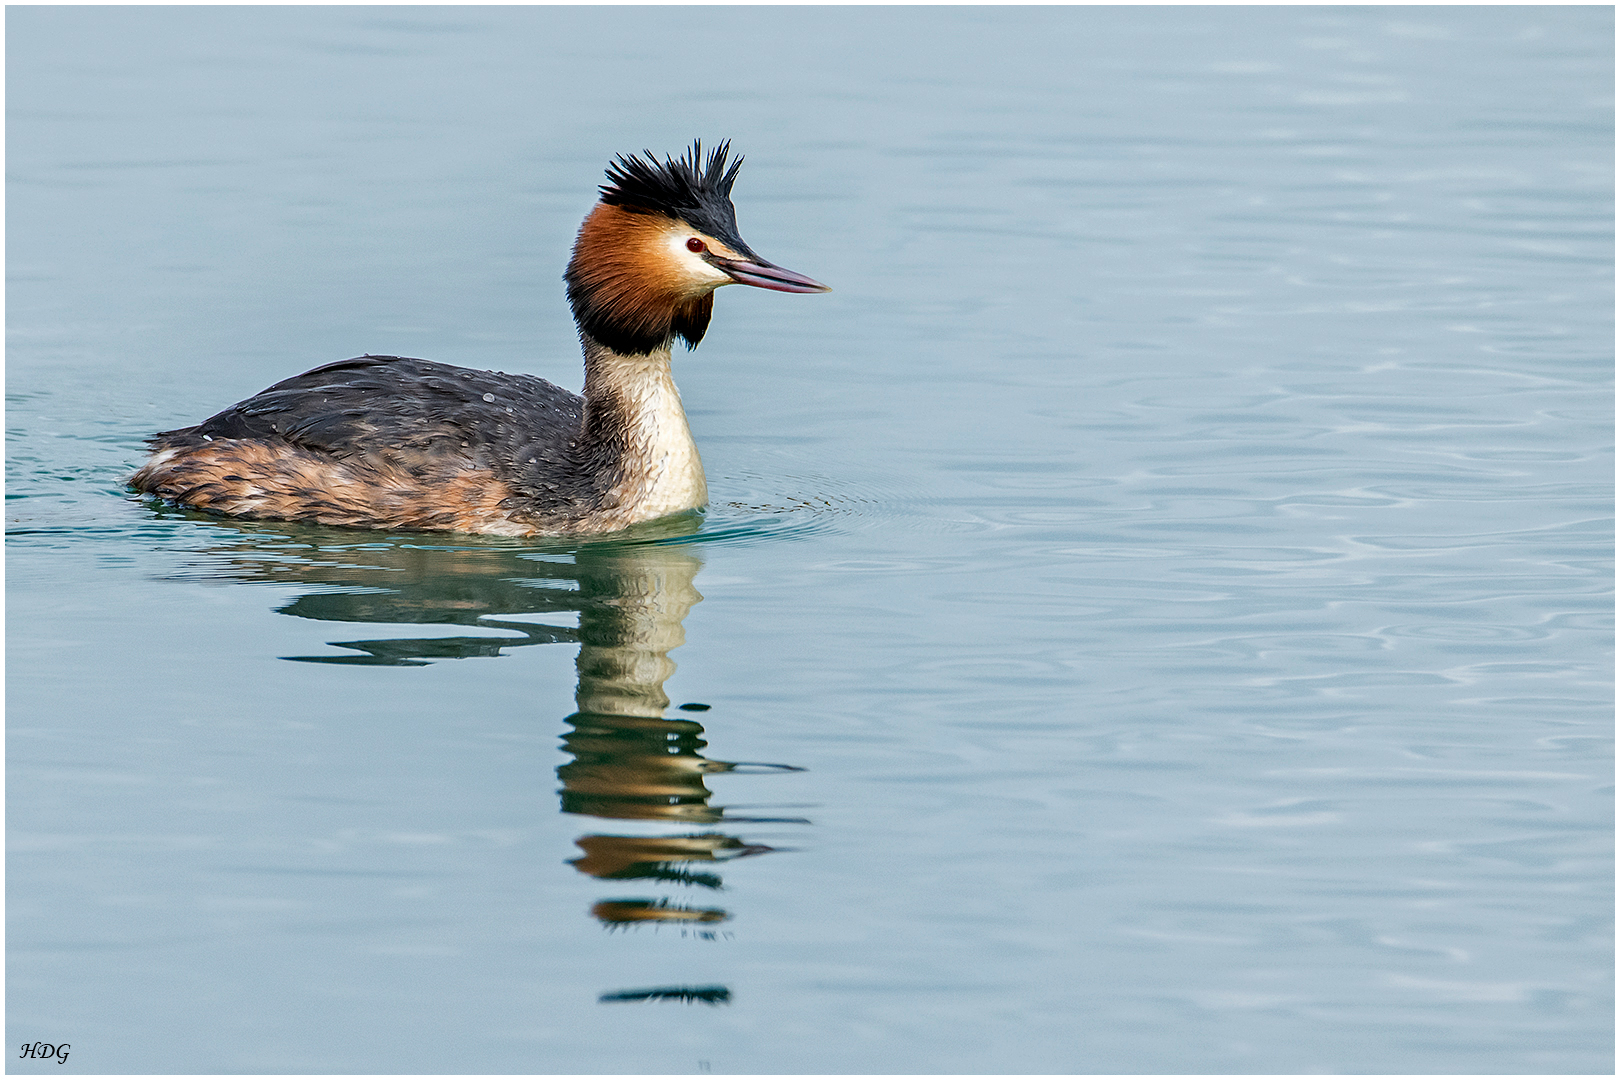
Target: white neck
[{"x": 632, "y": 401}]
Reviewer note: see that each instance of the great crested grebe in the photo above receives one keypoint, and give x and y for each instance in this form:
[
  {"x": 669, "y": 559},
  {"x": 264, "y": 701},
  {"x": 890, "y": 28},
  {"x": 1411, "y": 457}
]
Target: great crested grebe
[{"x": 388, "y": 442}]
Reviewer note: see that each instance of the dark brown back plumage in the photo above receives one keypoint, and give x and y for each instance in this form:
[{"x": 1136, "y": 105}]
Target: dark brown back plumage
[{"x": 390, "y": 442}]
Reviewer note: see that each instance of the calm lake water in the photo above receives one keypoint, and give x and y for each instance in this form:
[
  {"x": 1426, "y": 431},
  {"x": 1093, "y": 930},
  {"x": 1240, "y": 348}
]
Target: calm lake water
[{"x": 1154, "y": 616}]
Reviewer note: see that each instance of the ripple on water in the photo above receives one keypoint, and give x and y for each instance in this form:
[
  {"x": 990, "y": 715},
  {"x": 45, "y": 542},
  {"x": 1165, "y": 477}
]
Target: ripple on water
[
  {"x": 1465, "y": 632},
  {"x": 815, "y": 504}
]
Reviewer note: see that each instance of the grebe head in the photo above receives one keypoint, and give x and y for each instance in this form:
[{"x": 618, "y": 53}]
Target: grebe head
[{"x": 652, "y": 252}]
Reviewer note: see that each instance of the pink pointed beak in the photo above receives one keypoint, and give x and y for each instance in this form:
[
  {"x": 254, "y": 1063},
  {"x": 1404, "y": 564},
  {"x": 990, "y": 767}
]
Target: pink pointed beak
[{"x": 764, "y": 275}]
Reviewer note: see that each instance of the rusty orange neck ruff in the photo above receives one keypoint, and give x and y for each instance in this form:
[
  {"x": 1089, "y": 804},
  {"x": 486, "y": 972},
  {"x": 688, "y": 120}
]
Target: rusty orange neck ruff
[{"x": 624, "y": 292}]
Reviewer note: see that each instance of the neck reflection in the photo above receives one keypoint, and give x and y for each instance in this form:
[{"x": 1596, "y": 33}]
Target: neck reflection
[{"x": 630, "y": 761}]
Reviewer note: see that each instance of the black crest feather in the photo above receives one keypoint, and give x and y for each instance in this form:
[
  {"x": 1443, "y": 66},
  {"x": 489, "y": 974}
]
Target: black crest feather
[{"x": 690, "y": 188}]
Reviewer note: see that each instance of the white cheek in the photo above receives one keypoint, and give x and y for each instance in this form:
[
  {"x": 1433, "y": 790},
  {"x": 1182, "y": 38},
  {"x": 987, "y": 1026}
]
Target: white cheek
[{"x": 692, "y": 264}]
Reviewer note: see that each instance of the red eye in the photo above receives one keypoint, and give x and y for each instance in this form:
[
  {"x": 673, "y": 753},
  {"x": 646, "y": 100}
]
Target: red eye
[{"x": 695, "y": 244}]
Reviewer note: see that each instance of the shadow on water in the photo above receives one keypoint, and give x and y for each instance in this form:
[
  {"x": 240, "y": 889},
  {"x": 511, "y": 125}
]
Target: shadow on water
[{"x": 628, "y": 760}]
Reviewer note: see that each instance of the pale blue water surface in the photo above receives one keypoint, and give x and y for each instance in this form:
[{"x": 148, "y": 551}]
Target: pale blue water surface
[{"x": 1154, "y": 614}]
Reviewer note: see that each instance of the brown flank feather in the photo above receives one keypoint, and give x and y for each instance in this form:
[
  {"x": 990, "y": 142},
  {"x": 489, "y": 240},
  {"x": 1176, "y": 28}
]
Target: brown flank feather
[{"x": 263, "y": 479}]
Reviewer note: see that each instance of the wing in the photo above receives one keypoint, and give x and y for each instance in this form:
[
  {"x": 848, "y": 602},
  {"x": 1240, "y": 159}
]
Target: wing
[{"x": 425, "y": 418}]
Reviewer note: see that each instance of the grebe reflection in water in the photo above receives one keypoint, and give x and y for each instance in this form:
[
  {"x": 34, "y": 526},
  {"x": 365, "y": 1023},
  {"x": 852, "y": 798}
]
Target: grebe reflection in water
[{"x": 628, "y": 761}]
